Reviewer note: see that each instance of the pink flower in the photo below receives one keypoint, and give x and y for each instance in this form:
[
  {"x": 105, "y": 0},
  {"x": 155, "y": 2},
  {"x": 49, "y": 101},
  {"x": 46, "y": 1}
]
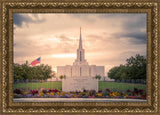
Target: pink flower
[{"x": 91, "y": 96}]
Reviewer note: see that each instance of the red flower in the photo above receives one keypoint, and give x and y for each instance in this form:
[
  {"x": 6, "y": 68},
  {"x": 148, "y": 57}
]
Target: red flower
[
  {"x": 99, "y": 91},
  {"x": 34, "y": 91},
  {"x": 54, "y": 90}
]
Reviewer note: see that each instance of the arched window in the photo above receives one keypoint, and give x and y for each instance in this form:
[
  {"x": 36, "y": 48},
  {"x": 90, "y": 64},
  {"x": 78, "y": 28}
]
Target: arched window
[
  {"x": 80, "y": 56},
  {"x": 80, "y": 71},
  {"x": 71, "y": 72}
]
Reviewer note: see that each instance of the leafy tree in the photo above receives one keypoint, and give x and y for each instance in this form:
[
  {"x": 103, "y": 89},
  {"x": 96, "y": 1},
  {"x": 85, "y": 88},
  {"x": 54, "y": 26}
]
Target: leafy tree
[
  {"x": 112, "y": 73},
  {"x": 137, "y": 61},
  {"x": 121, "y": 72},
  {"x": 62, "y": 77},
  {"x": 24, "y": 72},
  {"x": 135, "y": 68},
  {"x": 21, "y": 72},
  {"x": 17, "y": 72},
  {"x": 98, "y": 77}
]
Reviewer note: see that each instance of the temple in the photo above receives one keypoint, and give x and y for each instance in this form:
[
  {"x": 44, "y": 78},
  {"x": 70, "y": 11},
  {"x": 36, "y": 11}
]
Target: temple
[{"x": 80, "y": 67}]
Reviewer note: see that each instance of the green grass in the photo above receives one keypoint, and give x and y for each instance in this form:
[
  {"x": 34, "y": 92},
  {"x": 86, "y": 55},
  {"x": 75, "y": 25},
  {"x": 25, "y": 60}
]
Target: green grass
[
  {"x": 102, "y": 85},
  {"x": 120, "y": 86},
  {"x": 52, "y": 85}
]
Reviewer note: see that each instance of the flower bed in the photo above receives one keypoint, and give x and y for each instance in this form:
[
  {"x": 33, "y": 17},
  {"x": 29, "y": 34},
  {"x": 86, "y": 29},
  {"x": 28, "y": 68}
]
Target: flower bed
[{"x": 54, "y": 93}]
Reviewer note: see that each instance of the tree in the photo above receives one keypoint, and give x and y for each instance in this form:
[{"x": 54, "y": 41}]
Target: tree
[
  {"x": 135, "y": 68},
  {"x": 121, "y": 72},
  {"x": 17, "y": 72},
  {"x": 21, "y": 72},
  {"x": 113, "y": 73},
  {"x": 24, "y": 72},
  {"x": 98, "y": 77},
  {"x": 137, "y": 61},
  {"x": 62, "y": 77}
]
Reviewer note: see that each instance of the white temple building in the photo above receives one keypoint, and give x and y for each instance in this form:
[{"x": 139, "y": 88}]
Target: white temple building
[{"x": 80, "y": 67}]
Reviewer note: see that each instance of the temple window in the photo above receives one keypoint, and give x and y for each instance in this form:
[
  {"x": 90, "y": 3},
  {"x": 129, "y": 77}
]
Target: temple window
[{"x": 80, "y": 56}]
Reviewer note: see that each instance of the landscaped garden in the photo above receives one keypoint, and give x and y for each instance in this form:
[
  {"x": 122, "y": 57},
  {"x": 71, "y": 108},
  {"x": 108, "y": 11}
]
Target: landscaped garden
[
  {"x": 58, "y": 85},
  {"x": 29, "y": 82},
  {"x": 106, "y": 90}
]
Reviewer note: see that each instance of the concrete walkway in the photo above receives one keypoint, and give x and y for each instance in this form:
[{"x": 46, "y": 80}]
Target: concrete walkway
[{"x": 75, "y": 100}]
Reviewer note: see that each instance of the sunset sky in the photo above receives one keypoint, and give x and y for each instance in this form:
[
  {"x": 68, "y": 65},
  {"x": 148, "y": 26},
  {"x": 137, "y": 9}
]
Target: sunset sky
[{"x": 108, "y": 39}]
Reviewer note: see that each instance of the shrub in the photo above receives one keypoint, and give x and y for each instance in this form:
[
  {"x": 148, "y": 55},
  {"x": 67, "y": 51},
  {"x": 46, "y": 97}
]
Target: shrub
[{"x": 18, "y": 91}]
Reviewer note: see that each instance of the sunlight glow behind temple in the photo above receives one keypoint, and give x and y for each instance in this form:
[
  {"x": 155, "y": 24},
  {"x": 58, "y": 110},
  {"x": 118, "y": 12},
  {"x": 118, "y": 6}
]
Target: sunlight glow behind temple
[
  {"x": 64, "y": 55},
  {"x": 107, "y": 41}
]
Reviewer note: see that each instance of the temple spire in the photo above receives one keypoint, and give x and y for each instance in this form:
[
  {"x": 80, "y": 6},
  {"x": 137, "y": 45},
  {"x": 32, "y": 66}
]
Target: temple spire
[
  {"x": 80, "y": 53},
  {"x": 80, "y": 40}
]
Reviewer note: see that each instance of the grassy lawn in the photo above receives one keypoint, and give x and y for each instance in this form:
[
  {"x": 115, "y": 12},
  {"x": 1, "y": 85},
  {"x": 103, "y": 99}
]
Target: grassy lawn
[
  {"x": 102, "y": 85},
  {"x": 52, "y": 85},
  {"x": 120, "y": 86}
]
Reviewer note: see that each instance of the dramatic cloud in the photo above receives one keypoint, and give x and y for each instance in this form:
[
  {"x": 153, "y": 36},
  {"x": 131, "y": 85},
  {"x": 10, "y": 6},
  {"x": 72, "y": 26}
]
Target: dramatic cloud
[
  {"x": 19, "y": 19},
  {"x": 108, "y": 39}
]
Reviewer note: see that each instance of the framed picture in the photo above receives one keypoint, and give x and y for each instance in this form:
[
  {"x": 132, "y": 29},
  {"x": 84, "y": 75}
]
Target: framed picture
[{"x": 79, "y": 57}]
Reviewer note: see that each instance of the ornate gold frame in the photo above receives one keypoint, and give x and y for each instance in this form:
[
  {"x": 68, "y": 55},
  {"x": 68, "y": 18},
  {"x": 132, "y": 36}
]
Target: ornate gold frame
[{"x": 8, "y": 7}]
